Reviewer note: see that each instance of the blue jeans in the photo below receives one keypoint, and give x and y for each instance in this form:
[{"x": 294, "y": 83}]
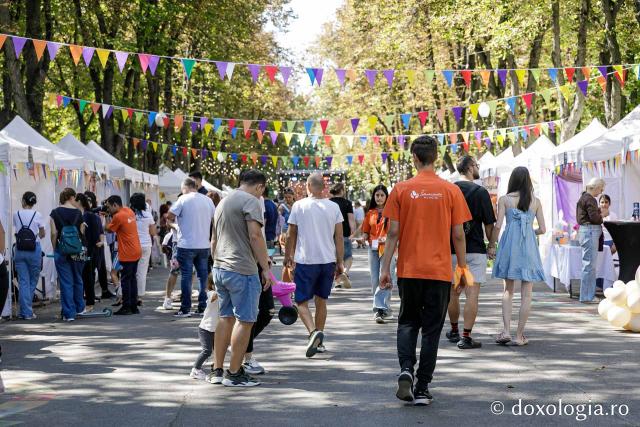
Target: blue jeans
[
  {"x": 589, "y": 235},
  {"x": 189, "y": 258},
  {"x": 28, "y": 269},
  {"x": 238, "y": 294},
  {"x": 381, "y": 297},
  {"x": 71, "y": 285}
]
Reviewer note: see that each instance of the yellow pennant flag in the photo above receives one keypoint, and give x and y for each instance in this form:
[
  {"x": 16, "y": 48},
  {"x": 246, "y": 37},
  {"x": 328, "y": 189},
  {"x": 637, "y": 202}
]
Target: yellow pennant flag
[
  {"x": 520, "y": 73},
  {"x": 500, "y": 140},
  {"x": 287, "y": 137},
  {"x": 277, "y": 124},
  {"x": 474, "y": 111},
  {"x": 207, "y": 129},
  {"x": 53, "y": 99},
  {"x": 373, "y": 121},
  {"x": 103, "y": 55},
  {"x": 274, "y": 159},
  {"x": 411, "y": 77},
  {"x": 125, "y": 115},
  {"x": 395, "y": 156},
  {"x": 566, "y": 91},
  {"x": 155, "y": 146},
  {"x": 620, "y": 72}
]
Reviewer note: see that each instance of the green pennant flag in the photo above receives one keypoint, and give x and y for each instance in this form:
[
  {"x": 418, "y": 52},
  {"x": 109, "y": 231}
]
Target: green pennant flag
[
  {"x": 291, "y": 124},
  {"x": 138, "y": 115},
  {"x": 188, "y": 66},
  {"x": 511, "y": 137},
  {"x": 546, "y": 94},
  {"x": 388, "y": 120},
  {"x": 429, "y": 74},
  {"x": 163, "y": 148},
  {"x": 219, "y": 130},
  {"x": 81, "y": 105},
  {"x": 493, "y": 105},
  {"x": 536, "y": 74}
]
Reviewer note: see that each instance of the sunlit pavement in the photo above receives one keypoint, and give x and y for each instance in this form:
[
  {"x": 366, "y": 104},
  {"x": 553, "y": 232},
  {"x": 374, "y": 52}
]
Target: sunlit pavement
[{"x": 133, "y": 370}]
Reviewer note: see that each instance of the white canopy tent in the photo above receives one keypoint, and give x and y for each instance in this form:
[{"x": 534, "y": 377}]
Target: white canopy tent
[
  {"x": 205, "y": 184},
  {"x": 499, "y": 164},
  {"x": 607, "y": 155},
  {"x": 570, "y": 150},
  {"x": 169, "y": 183}
]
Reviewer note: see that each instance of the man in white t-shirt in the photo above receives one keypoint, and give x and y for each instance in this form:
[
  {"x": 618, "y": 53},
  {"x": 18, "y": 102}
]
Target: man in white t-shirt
[
  {"x": 194, "y": 214},
  {"x": 315, "y": 245}
]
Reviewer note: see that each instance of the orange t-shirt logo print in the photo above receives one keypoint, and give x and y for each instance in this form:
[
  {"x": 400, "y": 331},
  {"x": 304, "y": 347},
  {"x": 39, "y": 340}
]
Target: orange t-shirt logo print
[{"x": 425, "y": 195}]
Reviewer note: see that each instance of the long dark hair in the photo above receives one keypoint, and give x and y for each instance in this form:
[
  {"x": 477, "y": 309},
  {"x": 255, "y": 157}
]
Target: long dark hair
[
  {"x": 372, "y": 202},
  {"x": 138, "y": 203},
  {"x": 520, "y": 182}
]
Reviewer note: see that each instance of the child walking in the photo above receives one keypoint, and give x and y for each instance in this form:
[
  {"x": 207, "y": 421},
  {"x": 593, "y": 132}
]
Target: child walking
[{"x": 206, "y": 332}]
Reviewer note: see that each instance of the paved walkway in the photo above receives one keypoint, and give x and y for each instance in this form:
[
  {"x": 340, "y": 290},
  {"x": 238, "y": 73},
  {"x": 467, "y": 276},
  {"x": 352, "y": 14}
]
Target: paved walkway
[{"x": 134, "y": 370}]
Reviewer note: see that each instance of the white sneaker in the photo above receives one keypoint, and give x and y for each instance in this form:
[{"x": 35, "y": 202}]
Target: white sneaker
[
  {"x": 168, "y": 304},
  {"x": 321, "y": 348},
  {"x": 252, "y": 367},
  {"x": 198, "y": 374}
]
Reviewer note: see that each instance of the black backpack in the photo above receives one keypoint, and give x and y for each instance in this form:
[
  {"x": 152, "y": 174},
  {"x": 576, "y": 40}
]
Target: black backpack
[{"x": 25, "y": 237}]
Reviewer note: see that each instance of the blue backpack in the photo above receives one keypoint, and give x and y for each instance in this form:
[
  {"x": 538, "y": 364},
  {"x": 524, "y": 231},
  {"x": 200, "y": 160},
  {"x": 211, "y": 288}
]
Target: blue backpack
[{"x": 69, "y": 241}]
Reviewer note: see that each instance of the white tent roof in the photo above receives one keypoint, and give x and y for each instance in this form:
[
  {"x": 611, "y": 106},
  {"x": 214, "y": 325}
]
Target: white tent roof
[
  {"x": 205, "y": 184},
  {"x": 500, "y": 164},
  {"x": 116, "y": 167},
  {"x": 12, "y": 151},
  {"x": 570, "y": 150},
  {"x": 168, "y": 180},
  {"x": 70, "y": 144},
  {"x": 613, "y": 142},
  {"x": 21, "y": 131},
  {"x": 536, "y": 155}
]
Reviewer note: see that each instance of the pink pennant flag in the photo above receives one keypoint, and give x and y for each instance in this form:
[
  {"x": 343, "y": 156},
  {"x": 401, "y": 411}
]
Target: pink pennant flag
[
  {"x": 52, "y": 48},
  {"x": 371, "y": 76},
  {"x": 341, "y": 74},
  {"x": 18, "y": 44},
  {"x": 388, "y": 74},
  {"x": 254, "y": 69},
  {"x": 121, "y": 57},
  {"x": 527, "y": 98},
  {"x": 222, "y": 68},
  {"x": 285, "y": 72},
  {"x": 87, "y": 54},
  {"x": 153, "y": 64},
  {"x": 144, "y": 61}
]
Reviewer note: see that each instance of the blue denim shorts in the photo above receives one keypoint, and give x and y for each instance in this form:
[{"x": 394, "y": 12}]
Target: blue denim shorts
[
  {"x": 313, "y": 280},
  {"x": 348, "y": 248},
  {"x": 238, "y": 294}
]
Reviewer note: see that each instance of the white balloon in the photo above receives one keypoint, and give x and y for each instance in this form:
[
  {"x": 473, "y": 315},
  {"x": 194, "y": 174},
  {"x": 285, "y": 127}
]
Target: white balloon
[
  {"x": 638, "y": 275},
  {"x": 618, "y": 284},
  {"x": 607, "y": 292},
  {"x": 603, "y": 308},
  {"x": 484, "y": 110},
  {"x": 160, "y": 119},
  {"x": 633, "y": 324},
  {"x": 618, "y": 296},
  {"x": 632, "y": 286},
  {"x": 633, "y": 301},
  {"x": 618, "y": 316}
]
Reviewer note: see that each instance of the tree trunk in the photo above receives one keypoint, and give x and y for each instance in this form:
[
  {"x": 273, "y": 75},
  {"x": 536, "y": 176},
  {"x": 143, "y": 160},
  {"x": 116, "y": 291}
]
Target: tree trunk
[
  {"x": 613, "y": 93},
  {"x": 556, "y": 56}
]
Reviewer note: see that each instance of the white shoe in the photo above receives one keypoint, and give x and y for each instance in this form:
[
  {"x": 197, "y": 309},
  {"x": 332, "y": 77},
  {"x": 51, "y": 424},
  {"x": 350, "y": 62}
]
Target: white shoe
[
  {"x": 321, "y": 348},
  {"x": 252, "y": 367},
  {"x": 198, "y": 374},
  {"x": 168, "y": 304}
]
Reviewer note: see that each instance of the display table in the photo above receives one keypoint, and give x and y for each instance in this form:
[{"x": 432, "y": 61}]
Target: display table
[
  {"x": 626, "y": 236},
  {"x": 564, "y": 262}
]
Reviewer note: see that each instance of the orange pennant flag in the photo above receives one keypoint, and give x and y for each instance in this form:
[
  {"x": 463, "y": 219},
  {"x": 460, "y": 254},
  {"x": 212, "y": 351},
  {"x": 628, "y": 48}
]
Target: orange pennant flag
[
  {"x": 177, "y": 121},
  {"x": 587, "y": 72},
  {"x": 39, "y": 46},
  {"x": 603, "y": 83},
  {"x": 3, "y": 37},
  {"x": 351, "y": 73},
  {"x": 485, "y": 74},
  {"x": 194, "y": 152},
  {"x": 76, "y": 52}
]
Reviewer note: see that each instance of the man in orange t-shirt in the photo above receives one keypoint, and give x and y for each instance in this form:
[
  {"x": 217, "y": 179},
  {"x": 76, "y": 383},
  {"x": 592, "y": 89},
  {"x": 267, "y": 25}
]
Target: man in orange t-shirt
[
  {"x": 424, "y": 212},
  {"x": 123, "y": 223}
]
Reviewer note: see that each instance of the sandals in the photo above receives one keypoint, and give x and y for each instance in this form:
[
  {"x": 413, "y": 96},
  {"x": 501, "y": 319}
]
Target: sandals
[
  {"x": 503, "y": 338},
  {"x": 522, "y": 342}
]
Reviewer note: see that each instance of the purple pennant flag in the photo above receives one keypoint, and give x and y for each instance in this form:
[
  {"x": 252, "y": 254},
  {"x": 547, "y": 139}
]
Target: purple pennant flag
[
  {"x": 194, "y": 127},
  {"x": 552, "y": 127},
  {"x": 87, "y": 54},
  {"x": 583, "y": 84},
  {"x": 285, "y": 72},
  {"x": 52, "y": 48},
  {"x": 502, "y": 74},
  {"x": 109, "y": 111},
  {"x": 354, "y": 124},
  {"x": 318, "y": 72},
  {"x": 203, "y": 121},
  {"x": 254, "y": 69},
  {"x": 457, "y": 113},
  {"x": 204, "y": 153},
  {"x": 153, "y": 64},
  {"x": 478, "y": 135},
  {"x": 487, "y": 141},
  {"x": 340, "y": 74},
  {"x": 263, "y": 159},
  {"x": 388, "y": 74},
  {"x": 144, "y": 144},
  {"x": 371, "y": 76},
  {"x": 603, "y": 70},
  {"x": 18, "y": 44},
  {"x": 222, "y": 68},
  {"x": 121, "y": 57},
  {"x": 329, "y": 159},
  {"x": 384, "y": 157},
  {"x": 262, "y": 125},
  {"x": 274, "y": 136},
  {"x": 401, "y": 141}
]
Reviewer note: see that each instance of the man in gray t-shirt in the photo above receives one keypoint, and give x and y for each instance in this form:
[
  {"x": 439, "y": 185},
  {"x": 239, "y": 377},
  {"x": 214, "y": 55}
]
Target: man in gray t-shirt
[{"x": 237, "y": 244}]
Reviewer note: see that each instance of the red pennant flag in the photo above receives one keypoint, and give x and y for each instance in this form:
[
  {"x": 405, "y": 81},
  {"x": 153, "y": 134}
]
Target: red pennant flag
[
  {"x": 527, "y": 129},
  {"x": 422, "y": 115},
  {"x": 361, "y": 158},
  {"x": 537, "y": 130},
  {"x": 167, "y": 121},
  {"x": 247, "y": 133},
  {"x": 376, "y": 140},
  {"x": 184, "y": 151},
  {"x": 178, "y": 120},
  {"x": 306, "y": 161},
  {"x": 244, "y": 158},
  {"x": 527, "y": 98},
  {"x": 271, "y": 71},
  {"x": 621, "y": 77},
  {"x": 570, "y": 71},
  {"x": 130, "y": 113},
  {"x": 465, "y": 145},
  {"x": 327, "y": 140},
  {"x": 232, "y": 124},
  {"x": 95, "y": 107},
  {"x": 323, "y": 124},
  {"x": 466, "y": 75}
]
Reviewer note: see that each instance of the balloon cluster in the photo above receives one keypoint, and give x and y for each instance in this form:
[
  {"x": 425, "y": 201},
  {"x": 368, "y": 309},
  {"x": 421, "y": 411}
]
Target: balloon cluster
[{"x": 621, "y": 306}]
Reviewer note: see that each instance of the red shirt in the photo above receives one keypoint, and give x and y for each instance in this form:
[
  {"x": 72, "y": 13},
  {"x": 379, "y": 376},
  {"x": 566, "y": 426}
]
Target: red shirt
[
  {"x": 124, "y": 225},
  {"x": 426, "y": 207}
]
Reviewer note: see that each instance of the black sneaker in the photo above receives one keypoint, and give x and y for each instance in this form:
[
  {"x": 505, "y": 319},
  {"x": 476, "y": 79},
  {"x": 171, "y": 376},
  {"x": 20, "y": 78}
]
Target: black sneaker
[
  {"x": 315, "y": 339},
  {"x": 182, "y": 314},
  {"x": 135, "y": 311},
  {"x": 107, "y": 295},
  {"x": 199, "y": 312},
  {"x": 216, "y": 376},
  {"x": 239, "y": 379},
  {"x": 453, "y": 336},
  {"x": 379, "y": 317},
  {"x": 405, "y": 386},
  {"x": 422, "y": 397},
  {"x": 123, "y": 311},
  {"x": 466, "y": 343}
]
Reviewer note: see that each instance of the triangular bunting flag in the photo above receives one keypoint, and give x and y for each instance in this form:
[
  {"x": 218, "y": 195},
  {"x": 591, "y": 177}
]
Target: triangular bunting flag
[
  {"x": 536, "y": 74},
  {"x": 373, "y": 121},
  {"x": 448, "y": 76},
  {"x": 103, "y": 56},
  {"x": 371, "y": 76},
  {"x": 569, "y": 71},
  {"x": 502, "y": 75},
  {"x": 429, "y": 75},
  {"x": 406, "y": 119},
  {"x": 271, "y": 71},
  {"x": 222, "y": 68},
  {"x": 188, "y": 64},
  {"x": 121, "y": 58},
  {"x": 527, "y": 98},
  {"x": 583, "y": 84},
  {"x": 411, "y": 77},
  {"x": 39, "y": 46},
  {"x": 312, "y": 75},
  {"x": 520, "y": 73},
  {"x": 52, "y": 48},
  {"x": 354, "y": 124},
  {"x": 485, "y": 75},
  {"x": 466, "y": 75},
  {"x": 422, "y": 116},
  {"x": 254, "y": 69},
  {"x": 553, "y": 74},
  {"x": 341, "y": 74},
  {"x": 389, "y": 74},
  {"x": 143, "y": 58},
  {"x": 76, "y": 53}
]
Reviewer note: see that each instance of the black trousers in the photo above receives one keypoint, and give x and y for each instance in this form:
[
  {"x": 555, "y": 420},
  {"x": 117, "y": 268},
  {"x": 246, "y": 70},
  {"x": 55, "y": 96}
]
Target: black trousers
[
  {"x": 4, "y": 284},
  {"x": 423, "y": 308},
  {"x": 129, "y": 284},
  {"x": 265, "y": 314},
  {"x": 101, "y": 265},
  {"x": 89, "y": 279}
]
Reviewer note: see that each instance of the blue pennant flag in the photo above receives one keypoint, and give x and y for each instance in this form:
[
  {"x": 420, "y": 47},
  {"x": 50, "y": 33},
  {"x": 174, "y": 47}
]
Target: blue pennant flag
[
  {"x": 349, "y": 159},
  {"x": 295, "y": 160},
  {"x": 440, "y": 139},
  {"x": 307, "y": 126},
  {"x": 406, "y": 118},
  {"x": 216, "y": 124},
  {"x": 152, "y": 117},
  {"x": 448, "y": 75},
  {"x": 553, "y": 74},
  {"x": 234, "y": 132},
  {"x": 234, "y": 156}
]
